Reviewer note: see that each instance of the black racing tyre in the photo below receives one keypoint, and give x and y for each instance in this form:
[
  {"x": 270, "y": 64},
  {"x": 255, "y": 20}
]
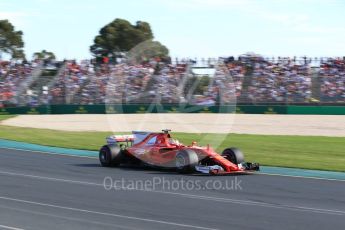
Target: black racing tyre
[
  {"x": 186, "y": 160},
  {"x": 234, "y": 155},
  {"x": 110, "y": 155}
]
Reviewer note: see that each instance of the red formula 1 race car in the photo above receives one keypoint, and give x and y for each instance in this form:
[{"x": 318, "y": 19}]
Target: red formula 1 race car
[{"x": 162, "y": 151}]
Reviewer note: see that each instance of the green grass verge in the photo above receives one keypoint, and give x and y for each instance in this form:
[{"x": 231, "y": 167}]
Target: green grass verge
[
  {"x": 309, "y": 152},
  {"x": 4, "y": 117}
]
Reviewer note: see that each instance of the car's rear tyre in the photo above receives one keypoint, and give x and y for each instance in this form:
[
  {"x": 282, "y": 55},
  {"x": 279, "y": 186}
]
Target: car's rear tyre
[
  {"x": 234, "y": 155},
  {"x": 186, "y": 160},
  {"x": 110, "y": 155}
]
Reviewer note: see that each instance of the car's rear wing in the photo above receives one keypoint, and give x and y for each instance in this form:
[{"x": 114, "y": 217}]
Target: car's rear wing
[
  {"x": 136, "y": 137},
  {"x": 119, "y": 138}
]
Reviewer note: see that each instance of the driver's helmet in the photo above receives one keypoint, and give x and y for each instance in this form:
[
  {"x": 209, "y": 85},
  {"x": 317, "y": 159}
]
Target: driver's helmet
[{"x": 173, "y": 142}]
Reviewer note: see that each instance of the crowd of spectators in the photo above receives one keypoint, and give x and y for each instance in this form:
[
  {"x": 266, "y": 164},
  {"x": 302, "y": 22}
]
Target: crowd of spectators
[
  {"x": 119, "y": 83},
  {"x": 226, "y": 84},
  {"x": 237, "y": 72},
  {"x": 87, "y": 83},
  {"x": 70, "y": 81},
  {"x": 12, "y": 74},
  {"x": 280, "y": 81},
  {"x": 332, "y": 74},
  {"x": 166, "y": 83},
  {"x": 283, "y": 80}
]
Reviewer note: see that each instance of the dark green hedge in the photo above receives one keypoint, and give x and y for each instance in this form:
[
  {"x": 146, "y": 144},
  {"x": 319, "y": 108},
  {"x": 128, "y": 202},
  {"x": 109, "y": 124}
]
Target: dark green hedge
[{"x": 103, "y": 109}]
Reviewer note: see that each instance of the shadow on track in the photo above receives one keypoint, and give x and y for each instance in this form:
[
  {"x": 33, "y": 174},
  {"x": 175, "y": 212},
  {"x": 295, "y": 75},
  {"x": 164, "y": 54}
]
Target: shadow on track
[{"x": 156, "y": 171}]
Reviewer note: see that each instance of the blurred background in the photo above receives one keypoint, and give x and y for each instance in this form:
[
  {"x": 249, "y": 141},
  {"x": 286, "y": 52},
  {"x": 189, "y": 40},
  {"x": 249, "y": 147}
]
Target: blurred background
[{"x": 244, "y": 52}]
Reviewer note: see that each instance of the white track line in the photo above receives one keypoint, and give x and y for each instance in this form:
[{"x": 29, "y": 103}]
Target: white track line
[
  {"x": 84, "y": 221},
  {"x": 50, "y": 178},
  {"x": 10, "y": 228},
  {"x": 192, "y": 196},
  {"x": 51, "y": 153},
  {"x": 304, "y": 177},
  {"x": 269, "y": 174},
  {"x": 104, "y": 213}
]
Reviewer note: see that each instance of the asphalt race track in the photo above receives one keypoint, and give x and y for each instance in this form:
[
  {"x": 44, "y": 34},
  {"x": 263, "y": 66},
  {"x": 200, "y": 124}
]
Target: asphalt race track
[{"x": 44, "y": 191}]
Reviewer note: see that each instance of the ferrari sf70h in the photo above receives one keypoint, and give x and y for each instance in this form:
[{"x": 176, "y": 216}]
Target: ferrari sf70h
[{"x": 159, "y": 149}]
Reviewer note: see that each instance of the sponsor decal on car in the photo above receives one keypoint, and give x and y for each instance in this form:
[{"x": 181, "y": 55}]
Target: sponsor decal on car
[{"x": 140, "y": 151}]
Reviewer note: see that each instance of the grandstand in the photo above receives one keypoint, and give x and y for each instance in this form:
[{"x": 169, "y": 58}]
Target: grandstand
[{"x": 249, "y": 79}]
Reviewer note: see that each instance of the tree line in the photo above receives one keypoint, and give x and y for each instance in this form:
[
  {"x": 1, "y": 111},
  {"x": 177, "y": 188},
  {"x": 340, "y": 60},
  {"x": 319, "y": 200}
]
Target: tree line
[{"x": 117, "y": 39}]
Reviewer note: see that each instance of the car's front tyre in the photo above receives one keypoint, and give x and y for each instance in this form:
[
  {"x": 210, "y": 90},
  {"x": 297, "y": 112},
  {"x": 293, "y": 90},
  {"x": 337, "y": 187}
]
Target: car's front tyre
[{"x": 234, "y": 155}]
